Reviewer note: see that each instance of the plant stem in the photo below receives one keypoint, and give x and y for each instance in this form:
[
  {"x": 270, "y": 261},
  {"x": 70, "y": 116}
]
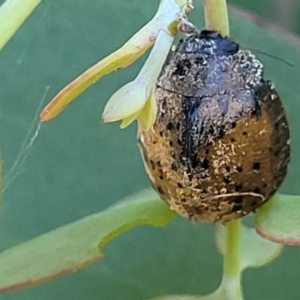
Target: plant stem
[
  {"x": 216, "y": 16},
  {"x": 231, "y": 259},
  {"x": 231, "y": 272},
  {"x": 12, "y": 15}
]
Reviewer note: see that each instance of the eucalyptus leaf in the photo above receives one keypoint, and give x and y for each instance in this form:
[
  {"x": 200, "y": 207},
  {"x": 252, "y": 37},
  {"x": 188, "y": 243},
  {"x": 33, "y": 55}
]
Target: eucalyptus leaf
[
  {"x": 12, "y": 15},
  {"x": 222, "y": 293},
  {"x": 77, "y": 160},
  {"x": 177, "y": 297},
  {"x": 279, "y": 220},
  {"x": 219, "y": 296},
  {"x": 78, "y": 244}
]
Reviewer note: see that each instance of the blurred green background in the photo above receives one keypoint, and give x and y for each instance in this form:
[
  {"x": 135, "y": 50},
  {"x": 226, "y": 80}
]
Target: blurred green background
[{"x": 78, "y": 166}]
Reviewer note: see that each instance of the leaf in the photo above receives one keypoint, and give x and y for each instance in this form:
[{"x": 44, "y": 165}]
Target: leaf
[
  {"x": 255, "y": 251},
  {"x": 148, "y": 114},
  {"x": 125, "y": 103},
  {"x": 138, "y": 95},
  {"x": 177, "y": 297},
  {"x": 77, "y": 160},
  {"x": 221, "y": 293},
  {"x": 12, "y": 15},
  {"x": 1, "y": 181},
  {"x": 121, "y": 58},
  {"x": 279, "y": 220},
  {"x": 213, "y": 296},
  {"x": 76, "y": 245},
  {"x": 168, "y": 12},
  {"x": 127, "y": 121}
]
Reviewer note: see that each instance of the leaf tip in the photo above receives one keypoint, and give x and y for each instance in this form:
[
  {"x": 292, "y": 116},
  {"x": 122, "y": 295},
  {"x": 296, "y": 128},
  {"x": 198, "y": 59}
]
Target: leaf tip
[{"x": 44, "y": 115}]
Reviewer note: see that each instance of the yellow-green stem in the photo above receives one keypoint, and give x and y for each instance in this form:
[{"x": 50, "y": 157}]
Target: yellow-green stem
[
  {"x": 231, "y": 281},
  {"x": 232, "y": 254},
  {"x": 12, "y": 15},
  {"x": 216, "y": 16}
]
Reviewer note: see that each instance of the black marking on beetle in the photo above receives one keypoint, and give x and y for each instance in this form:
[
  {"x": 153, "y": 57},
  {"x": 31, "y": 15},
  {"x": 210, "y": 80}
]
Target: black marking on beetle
[
  {"x": 256, "y": 166},
  {"x": 256, "y": 190},
  {"x": 237, "y": 204},
  {"x": 238, "y": 187},
  {"x": 227, "y": 180},
  {"x": 152, "y": 163},
  {"x": 173, "y": 166},
  {"x": 253, "y": 203},
  {"x": 170, "y": 126},
  {"x": 189, "y": 107},
  {"x": 239, "y": 169},
  {"x": 160, "y": 190},
  {"x": 205, "y": 164},
  {"x": 277, "y": 152}
]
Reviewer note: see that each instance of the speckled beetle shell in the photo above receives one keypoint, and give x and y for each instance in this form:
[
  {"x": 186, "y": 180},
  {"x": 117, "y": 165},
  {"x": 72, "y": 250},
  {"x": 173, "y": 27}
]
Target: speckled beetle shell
[{"x": 220, "y": 145}]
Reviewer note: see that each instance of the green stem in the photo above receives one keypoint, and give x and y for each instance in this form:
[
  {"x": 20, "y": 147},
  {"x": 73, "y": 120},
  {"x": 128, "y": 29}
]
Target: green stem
[
  {"x": 232, "y": 272},
  {"x": 12, "y": 15},
  {"x": 216, "y": 16},
  {"x": 232, "y": 255}
]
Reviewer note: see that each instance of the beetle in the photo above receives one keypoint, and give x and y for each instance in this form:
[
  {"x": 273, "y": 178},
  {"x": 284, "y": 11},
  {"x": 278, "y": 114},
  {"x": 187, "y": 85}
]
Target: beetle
[{"x": 220, "y": 145}]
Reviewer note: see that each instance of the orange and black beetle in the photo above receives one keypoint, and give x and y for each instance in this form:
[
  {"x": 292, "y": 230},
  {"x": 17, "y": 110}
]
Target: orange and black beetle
[{"x": 220, "y": 145}]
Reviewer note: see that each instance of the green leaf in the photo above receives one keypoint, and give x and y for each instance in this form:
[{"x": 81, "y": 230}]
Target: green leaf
[
  {"x": 76, "y": 245},
  {"x": 255, "y": 251},
  {"x": 12, "y": 15},
  {"x": 0, "y": 181},
  {"x": 177, "y": 297},
  {"x": 214, "y": 296},
  {"x": 220, "y": 294},
  {"x": 77, "y": 161},
  {"x": 279, "y": 220}
]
